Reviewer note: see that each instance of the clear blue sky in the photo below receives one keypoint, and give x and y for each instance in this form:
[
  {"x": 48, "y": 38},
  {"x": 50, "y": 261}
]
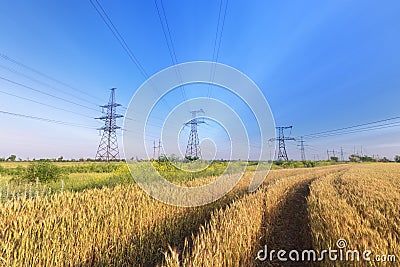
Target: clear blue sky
[{"x": 321, "y": 65}]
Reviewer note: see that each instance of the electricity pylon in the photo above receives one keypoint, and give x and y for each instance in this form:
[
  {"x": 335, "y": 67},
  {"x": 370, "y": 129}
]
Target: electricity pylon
[
  {"x": 108, "y": 147},
  {"x": 193, "y": 151},
  {"x": 341, "y": 154},
  {"x": 303, "y": 154},
  {"x": 282, "y": 155},
  {"x": 329, "y": 153},
  {"x": 156, "y": 147}
]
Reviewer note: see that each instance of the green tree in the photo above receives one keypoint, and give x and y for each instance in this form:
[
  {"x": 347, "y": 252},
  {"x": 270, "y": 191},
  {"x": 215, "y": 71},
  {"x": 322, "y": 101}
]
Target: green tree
[
  {"x": 309, "y": 163},
  {"x": 335, "y": 159},
  {"x": 190, "y": 158},
  {"x": 354, "y": 158},
  {"x": 11, "y": 158},
  {"x": 397, "y": 158}
]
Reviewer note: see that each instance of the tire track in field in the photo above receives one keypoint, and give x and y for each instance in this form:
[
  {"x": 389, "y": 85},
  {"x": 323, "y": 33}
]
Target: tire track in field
[
  {"x": 187, "y": 236},
  {"x": 287, "y": 226}
]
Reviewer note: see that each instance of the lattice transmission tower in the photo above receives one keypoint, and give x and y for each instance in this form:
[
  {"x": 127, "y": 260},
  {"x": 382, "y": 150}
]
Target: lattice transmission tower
[
  {"x": 108, "y": 147},
  {"x": 302, "y": 150},
  {"x": 282, "y": 155},
  {"x": 331, "y": 152},
  {"x": 193, "y": 151}
]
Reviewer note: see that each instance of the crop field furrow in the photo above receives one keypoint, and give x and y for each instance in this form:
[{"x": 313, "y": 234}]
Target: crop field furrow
[
  {"x": 233, "y": 236},
  {"x": 185, "y": 255},
  {"x": 188, "y": 248},
  {"x": 287, "y": 223}
]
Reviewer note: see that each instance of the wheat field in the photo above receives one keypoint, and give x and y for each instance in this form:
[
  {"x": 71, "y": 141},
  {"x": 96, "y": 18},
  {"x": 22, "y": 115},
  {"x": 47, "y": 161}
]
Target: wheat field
[{"x": 295, "y": 209}]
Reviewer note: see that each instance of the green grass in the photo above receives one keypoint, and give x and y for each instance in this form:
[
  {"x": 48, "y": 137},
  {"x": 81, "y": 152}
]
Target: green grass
[
  {"x": 81, "y": 181},
  {"x": 13, "y": 188},
  {"x": 14, "y": 164},
  {"x": 79, "y": 176}
]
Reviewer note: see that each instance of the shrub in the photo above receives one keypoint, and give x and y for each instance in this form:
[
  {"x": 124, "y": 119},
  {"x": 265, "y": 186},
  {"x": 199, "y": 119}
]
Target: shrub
[
  {"x": 309, "y": 163},
  {"x": 291, "y": 164},
  {"x": 43, "y": 171},
  {"x": 334, "y": 159}
]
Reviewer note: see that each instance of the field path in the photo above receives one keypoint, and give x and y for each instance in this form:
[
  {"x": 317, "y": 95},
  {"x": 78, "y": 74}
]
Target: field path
[{"x": 288, "y": 225}]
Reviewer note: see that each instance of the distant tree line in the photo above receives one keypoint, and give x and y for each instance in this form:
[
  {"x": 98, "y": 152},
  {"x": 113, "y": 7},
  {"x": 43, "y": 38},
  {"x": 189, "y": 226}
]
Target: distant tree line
[
  {"x": 13, "y": 158},
  {"x": 358, "y": 158},
  {"x": 174, "y": 158}
]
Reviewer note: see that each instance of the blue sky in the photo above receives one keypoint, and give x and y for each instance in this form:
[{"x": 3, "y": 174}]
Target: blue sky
[{"x": 321, "y": 65}]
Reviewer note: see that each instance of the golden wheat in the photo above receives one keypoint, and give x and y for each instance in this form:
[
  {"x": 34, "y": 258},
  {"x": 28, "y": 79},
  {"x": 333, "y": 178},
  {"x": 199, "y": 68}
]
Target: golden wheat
[
  {"x": 233, "y": 235},
  {"x": 123, "y": 226},
  {"x": 361, "y": 206},
  {"x": 120, "y": 226}
]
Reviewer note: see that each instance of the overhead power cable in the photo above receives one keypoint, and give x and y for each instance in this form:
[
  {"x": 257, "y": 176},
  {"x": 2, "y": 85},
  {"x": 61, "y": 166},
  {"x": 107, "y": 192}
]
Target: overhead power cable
[
  {"x": 111, "y": 26},
  {"x": 45, "y": 93},
  {"x": 222, "y": 31},
  {"x": 45, "y": 119},
  {"x": 217, "y": 41},
  {"x": 48, "y": 85},
  {"x": 44, "y": 104},
  {"x": 45, "y": 75},
  {"x": 106, "y": 19},
  {"x": 168, "y": 40},
  {"x": 365, "y": 129},
  {"x": 350, "y": 127}
]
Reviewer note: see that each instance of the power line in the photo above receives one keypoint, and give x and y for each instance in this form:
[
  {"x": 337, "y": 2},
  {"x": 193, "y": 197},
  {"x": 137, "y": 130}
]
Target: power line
[
  {"x": 168, "y": 40},
  {"x": 217, "y": 40},
  {"x": 365, "y": 129},
  {"x": 349, "y": 127},
  {"x": 45, "y": 119},
  {"x": 44, "y": 104},
  {"x": 44, "y": 75},
  {"x": 217, "y": 31},
  {"x": 167, "y": 26},
  {"x": 106, "y": 19},
  {"x": 44, "y": 93},
  {"x": 222, "y": 30},
  {"x": 46, "y": 84}
]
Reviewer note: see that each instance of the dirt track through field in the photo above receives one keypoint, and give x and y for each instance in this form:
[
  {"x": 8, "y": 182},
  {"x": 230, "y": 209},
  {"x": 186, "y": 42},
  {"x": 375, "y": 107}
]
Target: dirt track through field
[{"x": 289, "y": 225}]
